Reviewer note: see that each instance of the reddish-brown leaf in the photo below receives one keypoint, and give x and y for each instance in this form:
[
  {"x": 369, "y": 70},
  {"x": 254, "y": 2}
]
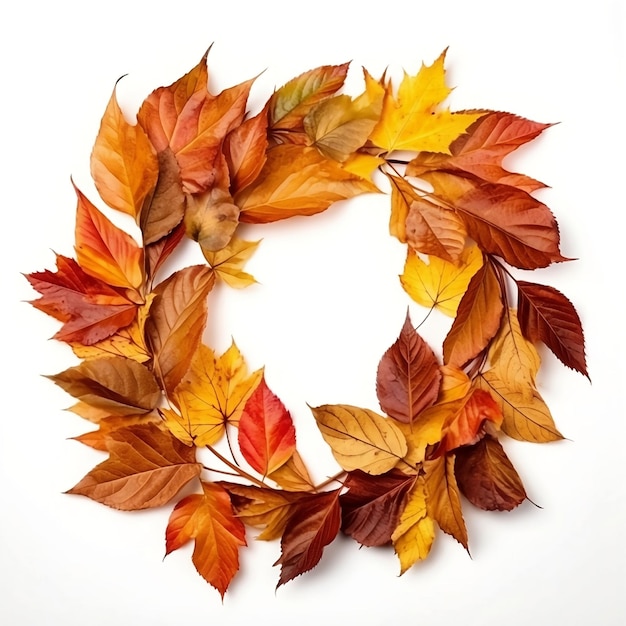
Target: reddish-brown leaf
[
  {"x": 114, "y": 384},
  {"x": 477, "y": 320},
  {"x": 545, "y": 314},
  {"x": 481, "y": 149},
  {"x": 176, "y": 322},
  {"x": 90, "y": 309},
  {"x": 314, "y": 524},
  {"x": 267, "y": 437},
  {"x": 371, "y": 507},
  {"x": 208, "y": 519},
  {"x": 157, "y": 253},
  {"x": 443, "y": 500},
  {"x": 486, "y": 476},
  {"x": 408, "y": 376},
  {"x": 146, "y": 468}
]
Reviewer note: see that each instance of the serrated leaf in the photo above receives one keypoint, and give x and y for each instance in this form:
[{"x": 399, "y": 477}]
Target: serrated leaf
[{"x": 360, "y": 438}]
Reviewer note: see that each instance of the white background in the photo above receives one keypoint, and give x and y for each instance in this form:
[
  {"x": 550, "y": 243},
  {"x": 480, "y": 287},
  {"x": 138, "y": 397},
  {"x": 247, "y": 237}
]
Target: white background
[{"x": 328, "y": 306}]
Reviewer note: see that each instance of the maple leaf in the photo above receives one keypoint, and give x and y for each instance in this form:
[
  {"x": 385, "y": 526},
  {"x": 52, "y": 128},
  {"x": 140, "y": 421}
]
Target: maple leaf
[
  {"x": 443, "y": 500},
  {"x": 477, "y": 319},
  {"x": 486, "y": 476},
  {"x": 209, "y": 520},
  {"x": 261, "y": 507},
  {"x": 267, "y": 437},
  {"x": 124, "y": 165},
  {"x": 427, "y": 227},
  {"x": 314, "y": 523},
  {"x": 212, "y": 393},
  {"x": 415, "y": 533},
  {"x": 360, "y": 438},
  {"x": 371, "y": 507},
  {"x": 89, "y": 308},
  {"x": 103, "y": 250},
  {"x": 413, "y": 120},
  {"x": 227, "y": 263},
  {"x": 546, "y": 315},
  {"x": 408, "y": 376},
  {"x": 113, "y": 384},
  {"x": 146, "y": 468},
  {"x": 439, "y": 283},
  {"x": 290, "y": 104},
  {"x": 176, "y": 322},
  {"x": 481, "y": 149},
  {"x": 297, "y": 180},
  {"x": 193, "y": 123},
  {"x": 526, "y": 417}
]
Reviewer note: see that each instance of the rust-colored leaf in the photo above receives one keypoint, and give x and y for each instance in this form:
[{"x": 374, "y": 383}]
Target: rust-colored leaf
[
  {"x": 267, "y": 437},
  {"x": 313, "y": 524},
  {"x": 371, "y": 507},
  {"x": 208, "y": 519},
  {"x": 408, "y": 376},
  {"x": 546, "y": 315},
  {"x": 176, "y": 322},
  {"x": 146, "y": 468},
  {"x": 486, "y": 476}
]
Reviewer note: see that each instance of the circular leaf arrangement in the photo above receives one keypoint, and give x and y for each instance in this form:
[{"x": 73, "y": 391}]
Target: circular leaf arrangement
[{"x": 197, "y": 165}]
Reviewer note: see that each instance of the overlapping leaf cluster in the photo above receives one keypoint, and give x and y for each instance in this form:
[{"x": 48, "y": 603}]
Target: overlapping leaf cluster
[{"x": 197, "y": 164}]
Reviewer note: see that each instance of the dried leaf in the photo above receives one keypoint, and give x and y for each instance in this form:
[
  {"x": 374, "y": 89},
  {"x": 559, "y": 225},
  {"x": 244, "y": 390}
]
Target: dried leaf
[
  {"x": 228, "y": 262},
  {"x": 293, "y": 475}
]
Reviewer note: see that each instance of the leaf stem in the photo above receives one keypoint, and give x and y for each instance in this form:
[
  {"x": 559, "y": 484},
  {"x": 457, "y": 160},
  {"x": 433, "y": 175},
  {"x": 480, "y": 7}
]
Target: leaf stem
[
  {"x": 235, "y": 468},
  {"x": 336, "y": 478}
]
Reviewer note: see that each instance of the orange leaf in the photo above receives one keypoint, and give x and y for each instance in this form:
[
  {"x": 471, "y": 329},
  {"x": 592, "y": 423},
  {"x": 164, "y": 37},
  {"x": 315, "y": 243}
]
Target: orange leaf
[
  {"x": 176, "y": 322},
  {"x": 105, "y": 251},
  {"x": 267, "y": 437},
  {"x": 208, "y": 519},
  {"x": 146, "y": 468},
  {"x": 90, "y": 309},
  {"x": 408, "y": 376},
  {"x": 124, "y": 165}
]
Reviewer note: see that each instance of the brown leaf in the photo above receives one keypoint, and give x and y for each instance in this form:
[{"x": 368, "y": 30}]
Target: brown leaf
[
  {"x": 146, "y": 468},
  {"x": 208, "y": 519},
  {"x": 408, "y": 376},
  {"x": 372, "y": 506},
  {"x": 312, "y": 526},
  {"x": 546, "y": 315},
  {"x": 114, "y": 384},
  {"x": 443, "y": 500},
  {"x": 477, "y": 319},
  {"x": 487, "y": 478},
  {"x": 176, "y": 322}
]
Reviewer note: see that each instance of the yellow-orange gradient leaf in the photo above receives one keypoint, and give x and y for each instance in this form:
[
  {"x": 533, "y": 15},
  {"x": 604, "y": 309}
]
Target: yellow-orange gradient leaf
[{"x": 228, "y": 262}]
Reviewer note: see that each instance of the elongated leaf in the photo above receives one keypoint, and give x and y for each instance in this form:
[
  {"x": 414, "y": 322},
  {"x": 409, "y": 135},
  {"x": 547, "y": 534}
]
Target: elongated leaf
[
  {"x": 359, "y": 438},
  {"x": 313, "y": 525},
  {"x": 371, "y": 507},
  {"x": 408, "y": 376},
  {"x": 146, "y": 468},
  {"x": 176, "y": 322},
  {"x": 267, "y": 437},
  {"x": 209, "y": 520},
  {"x": 545, "y": 314}
]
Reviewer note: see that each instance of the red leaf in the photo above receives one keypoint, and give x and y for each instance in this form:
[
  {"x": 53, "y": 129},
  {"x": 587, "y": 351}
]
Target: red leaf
[
  {"x": 267, "y": 437},
  {"x": 208, "y": 519},
  {"x": 372, "y": 506},
  {"x": 90, "y": 309},
  {"x": 545, "y": 314},
  {"x": 313, "y": 525},
  {"x": 487, "y": 478},
  {"x": 408, "y": 376}
]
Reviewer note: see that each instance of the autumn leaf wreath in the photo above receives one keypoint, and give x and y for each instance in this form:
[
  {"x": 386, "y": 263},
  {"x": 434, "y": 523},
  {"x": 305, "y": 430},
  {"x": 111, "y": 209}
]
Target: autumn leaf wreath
[{"x": 197, "y": 165}]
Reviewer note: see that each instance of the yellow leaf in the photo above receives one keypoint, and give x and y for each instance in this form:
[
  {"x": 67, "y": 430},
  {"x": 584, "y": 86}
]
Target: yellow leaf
[
  {"x": 439, "y": 283},
  {"x": 414, "y": 119},
  {"x": 293, "y": 475},
  {"x": 362, "y": 165},
  {"x": 425, "y": 431},
  {"x": 455, "y": 384},
  {"x": 526, "y": 415},
  {"x": 229, "y": 261},
  {"x": 414, "y": 535},
  {"x": 297, "y": 180},
  {"x": 211, "y": 394},
  {"x": 360, "y": 438}
]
